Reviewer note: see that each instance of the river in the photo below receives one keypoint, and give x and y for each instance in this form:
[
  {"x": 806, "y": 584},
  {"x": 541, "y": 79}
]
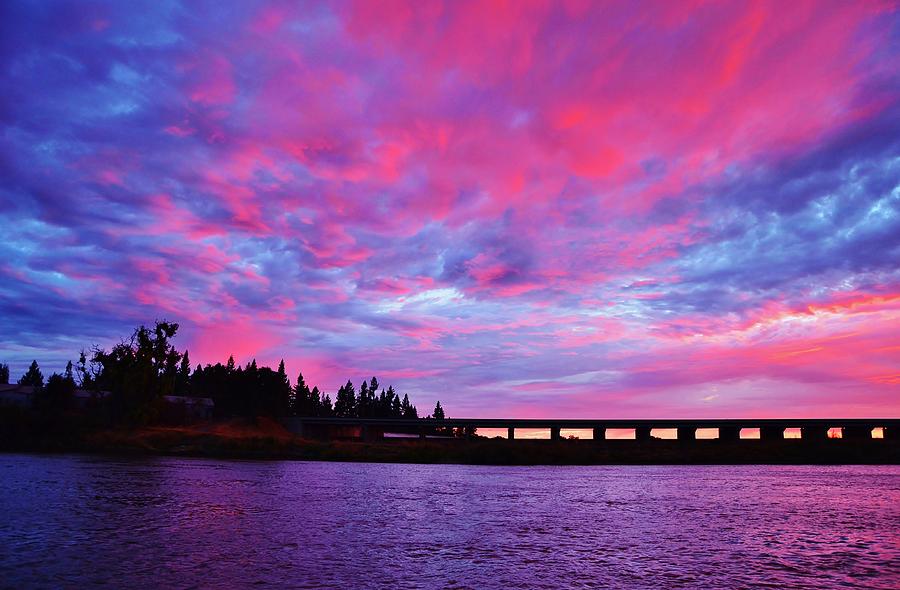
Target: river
[{"x": 81, "y": 521}]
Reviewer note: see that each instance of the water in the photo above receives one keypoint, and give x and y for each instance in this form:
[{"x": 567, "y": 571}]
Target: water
[{"x": 76, "y": 521}]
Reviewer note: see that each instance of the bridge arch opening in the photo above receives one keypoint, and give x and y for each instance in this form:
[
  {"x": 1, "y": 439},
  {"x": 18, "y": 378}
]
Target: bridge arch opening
[
  {"x": 707, "y": 433},
  {"x": 577, "y": 433},
  {"x": 621, "y": 433},
  {"x": 793, "y": 433},
  {"x": 664, "y": 433},
  {"x": 532, "y": 433},
  {"x": 750, "y": 434},
  {"x": 494, "y": 432}
]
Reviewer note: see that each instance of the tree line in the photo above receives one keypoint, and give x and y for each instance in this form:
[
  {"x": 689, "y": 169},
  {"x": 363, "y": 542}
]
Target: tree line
[{"x": 140, "y": 371}]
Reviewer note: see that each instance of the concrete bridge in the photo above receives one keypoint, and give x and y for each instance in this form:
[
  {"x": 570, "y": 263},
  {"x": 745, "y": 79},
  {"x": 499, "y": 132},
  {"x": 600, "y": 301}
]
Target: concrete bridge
[{"x": 729, "y": 429}]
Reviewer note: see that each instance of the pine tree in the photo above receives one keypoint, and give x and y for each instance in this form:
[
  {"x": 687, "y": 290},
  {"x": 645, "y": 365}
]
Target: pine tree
[
  {"x": 327, "y": 407},
  {"x": 304, "y": 405},
  {"x": 69, "y": 374},
  {"x": 4, "y": 373},
  {"x": 183, "y": 380},
  {"x": 438, "y": 413},
  {"x": 396, "y": 408},
  {"x": 376, "y": 402},
  {"x": 345, "y": 403},
  {"x": 408, "y": 410},
  {"x": 363, "y": 409},
  {"x": 315, "y": 403},
  {"x": 33, "y": 376}
]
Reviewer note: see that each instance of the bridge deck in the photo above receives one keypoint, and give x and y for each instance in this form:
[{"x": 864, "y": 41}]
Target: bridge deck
[
  {"x": 728, "y": 428},
  {"x": 601, "y": 423}
]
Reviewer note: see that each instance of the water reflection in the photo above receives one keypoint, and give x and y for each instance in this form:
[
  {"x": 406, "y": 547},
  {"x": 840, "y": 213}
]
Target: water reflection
[{"x": 78, "y": 521}]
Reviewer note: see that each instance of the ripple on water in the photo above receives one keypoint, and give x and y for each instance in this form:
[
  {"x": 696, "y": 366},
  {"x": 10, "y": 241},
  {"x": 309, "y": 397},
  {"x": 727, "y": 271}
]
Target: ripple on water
[{"x": 80, "y": 521}]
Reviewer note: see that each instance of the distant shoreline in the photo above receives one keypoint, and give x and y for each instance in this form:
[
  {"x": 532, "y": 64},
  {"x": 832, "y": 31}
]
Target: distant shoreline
[{"x": 268, "y": 441}]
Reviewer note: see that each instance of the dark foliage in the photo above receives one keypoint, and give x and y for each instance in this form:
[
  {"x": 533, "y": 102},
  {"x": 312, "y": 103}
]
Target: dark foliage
[
  {"x": 32, "y": 376},
  {"x": 140, "y": 371}
]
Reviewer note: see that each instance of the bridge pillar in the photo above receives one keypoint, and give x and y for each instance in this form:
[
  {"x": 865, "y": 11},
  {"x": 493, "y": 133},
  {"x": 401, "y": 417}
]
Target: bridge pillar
[
  {"x": 731, "y": 433},
  {"x": 510, "y": 433},
  {"x": 642, "y": 433},
  {"x": 814, "y": 433},
  {"x": 555, "y": 434},
  {"x": 422, "y": 432},
  {"x": 771, "y": 433},
  {"x": 686, "y": 433},
  {"x": 892, "y": 433},
  {"x": 599, "y": 434},
  {"x": 857, "y": 432}
]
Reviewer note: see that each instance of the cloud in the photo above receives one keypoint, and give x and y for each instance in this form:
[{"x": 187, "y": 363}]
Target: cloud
[{"x": 536, "y": 208}]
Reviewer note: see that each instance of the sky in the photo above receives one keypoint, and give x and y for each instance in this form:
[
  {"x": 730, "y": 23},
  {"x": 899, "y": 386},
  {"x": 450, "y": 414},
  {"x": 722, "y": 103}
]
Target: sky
[{"x": 534, "y": 209}]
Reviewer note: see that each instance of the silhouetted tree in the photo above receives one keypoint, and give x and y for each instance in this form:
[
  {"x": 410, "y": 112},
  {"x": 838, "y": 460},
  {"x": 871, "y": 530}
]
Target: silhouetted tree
[
  {"x": 4, "y": 374},
  {"x": 327, "y": 408},
  {"x": 363, "y": 405},
  {"x": 183, "y": 379},
  {"x": 316, "y": 403},
  {"x": 302, "y": 404},
  {"x": 409, "y": 410},
  {"x": 139, "y": 372},
  {"x": 85, "y": 372},
  {"x": 57, "y": 397},
  {"x": 32, "y": 376},
  {"x": 396, "y": 406},
  {"x": 345, "y": 402}
]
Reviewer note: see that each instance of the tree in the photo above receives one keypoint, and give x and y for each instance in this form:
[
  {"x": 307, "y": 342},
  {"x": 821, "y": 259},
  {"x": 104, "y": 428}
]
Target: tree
[
  {"x": 316, "y": 403},
  {"x": 69, "y": 374},
  {"x": 301, "y": 404},
  {"x": 58, "y": 396},
  {"x": 183, "y": 379},
  {"x": 327, "y": 408},
  {"x": 396, "y": 409},
  {"x": 363, "y": 407},
  {"x": 345, "y": 402},
  {"x": 4, "y": 373},
  {"x": 85, "y": 372},
  {"x": 139, "y": 372},
  {"x": 33, "y": 376},
  {"x": 438, "y": 413},
  {"x": 409, "y": 410}
]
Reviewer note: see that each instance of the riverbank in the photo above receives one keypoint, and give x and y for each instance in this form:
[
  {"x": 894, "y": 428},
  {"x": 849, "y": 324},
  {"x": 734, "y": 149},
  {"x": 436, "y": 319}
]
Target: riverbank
[{"x": 266, "y": 439}]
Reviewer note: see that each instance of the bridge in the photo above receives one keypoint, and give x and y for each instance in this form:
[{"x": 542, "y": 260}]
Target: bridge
[{"x": 371, "y": 429}]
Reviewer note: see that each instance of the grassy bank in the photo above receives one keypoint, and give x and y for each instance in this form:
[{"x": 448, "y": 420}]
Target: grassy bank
[{"x": 266, "y": 439}]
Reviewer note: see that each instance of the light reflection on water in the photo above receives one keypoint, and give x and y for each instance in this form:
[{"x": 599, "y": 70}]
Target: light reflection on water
[{"x": 75, "y": 521}]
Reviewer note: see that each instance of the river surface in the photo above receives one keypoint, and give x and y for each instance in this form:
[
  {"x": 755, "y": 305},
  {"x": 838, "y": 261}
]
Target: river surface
[{"x": 83, "y": 521}]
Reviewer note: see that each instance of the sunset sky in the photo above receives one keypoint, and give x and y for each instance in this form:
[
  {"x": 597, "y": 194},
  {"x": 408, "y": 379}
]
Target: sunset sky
[{"x": 534, "y": 209}]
